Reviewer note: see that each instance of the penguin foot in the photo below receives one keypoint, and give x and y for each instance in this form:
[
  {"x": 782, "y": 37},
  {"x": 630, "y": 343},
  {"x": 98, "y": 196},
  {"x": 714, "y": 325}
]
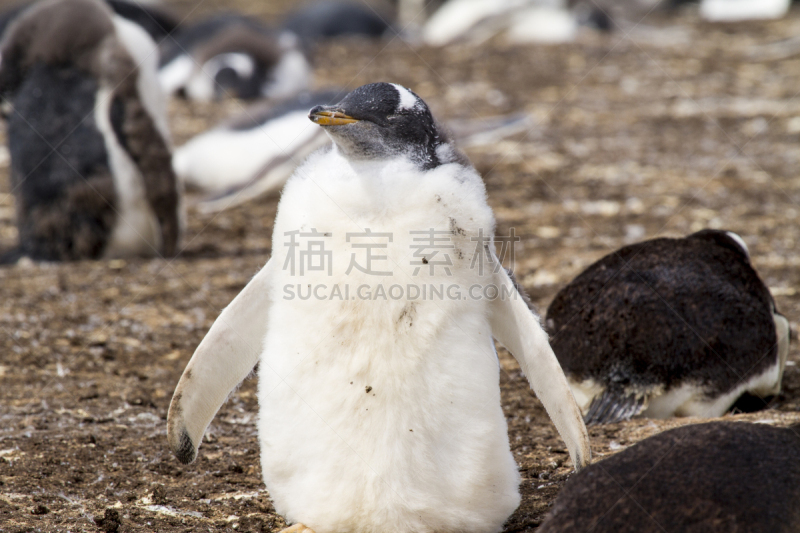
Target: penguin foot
[{"x": 297, "y": 528}]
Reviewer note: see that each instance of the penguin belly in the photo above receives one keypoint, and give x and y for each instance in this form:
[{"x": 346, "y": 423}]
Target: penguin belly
[{"x": 367, "y": 434}]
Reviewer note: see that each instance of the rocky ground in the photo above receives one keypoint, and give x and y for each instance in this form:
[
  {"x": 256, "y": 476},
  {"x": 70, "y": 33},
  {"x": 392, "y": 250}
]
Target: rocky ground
[{"x": 669, "y": 128}]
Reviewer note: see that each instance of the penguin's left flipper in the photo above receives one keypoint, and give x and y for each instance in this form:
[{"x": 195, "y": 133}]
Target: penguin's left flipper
[
  {"x": 223, "y": 359},
  {"x": 518, "y": 329},
  {"x": 612, "y": 406},
  {"x": 297, "y": 528}
]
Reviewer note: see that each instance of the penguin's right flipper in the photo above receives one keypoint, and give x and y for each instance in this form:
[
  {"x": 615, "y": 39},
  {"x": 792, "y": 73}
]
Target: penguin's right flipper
[
  {"x": 614, "y": 406},
  {"x": 223, "y": 359},
  {"x": 518, "y": 329}
]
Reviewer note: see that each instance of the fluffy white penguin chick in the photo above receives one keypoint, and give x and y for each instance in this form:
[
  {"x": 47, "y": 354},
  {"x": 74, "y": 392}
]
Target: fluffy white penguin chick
[{"x": 380, "y": 406}]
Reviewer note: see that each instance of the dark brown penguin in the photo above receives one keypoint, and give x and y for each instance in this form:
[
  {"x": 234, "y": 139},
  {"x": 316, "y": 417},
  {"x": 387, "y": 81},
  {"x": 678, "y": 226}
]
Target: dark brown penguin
[
  {"x": 90, "y": 161},
  {"x": 730, "y": 477},
  {"x": 669, "y": 327}
]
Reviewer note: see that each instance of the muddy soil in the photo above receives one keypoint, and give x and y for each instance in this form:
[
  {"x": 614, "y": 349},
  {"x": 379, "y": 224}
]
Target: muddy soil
[{"x": 670, "y": 128}]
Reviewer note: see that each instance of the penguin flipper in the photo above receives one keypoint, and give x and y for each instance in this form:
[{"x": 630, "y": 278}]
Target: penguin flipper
[
  {"x": 223, "y": 359},
  {"x": 517, "y": 328},
  {"x": 614, "y": 406}
]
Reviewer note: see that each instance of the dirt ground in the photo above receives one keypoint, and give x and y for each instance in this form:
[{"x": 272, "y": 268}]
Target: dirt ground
[{"x": 673, "y": 127}]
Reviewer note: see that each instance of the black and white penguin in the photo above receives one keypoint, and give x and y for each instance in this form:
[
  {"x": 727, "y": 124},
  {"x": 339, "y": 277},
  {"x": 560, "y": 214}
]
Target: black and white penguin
[
  {"x": 380, "y": 411},
  {"x": 253, "y": 153},
  {"x": 669, "y": 327},
  {"x": 87, "y": 133},
  {"x": 233, "y": 55},
  {"x": 718, "y": 476},
  {"x": 327, "y": 19}
]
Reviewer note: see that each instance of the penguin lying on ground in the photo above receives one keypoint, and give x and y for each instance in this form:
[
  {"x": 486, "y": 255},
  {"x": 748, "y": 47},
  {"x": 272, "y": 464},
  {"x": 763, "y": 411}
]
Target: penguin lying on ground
[
  {"x": 87, "y": 133},
  {"x": 719, "y": 476},
  {"x": 524, "y": 21},
  {"x": 255, "y": 152},
  {"x": 380, "y": 413},
  {"x": 669, "y": 327},
  {"x": 233, "y": 55}
]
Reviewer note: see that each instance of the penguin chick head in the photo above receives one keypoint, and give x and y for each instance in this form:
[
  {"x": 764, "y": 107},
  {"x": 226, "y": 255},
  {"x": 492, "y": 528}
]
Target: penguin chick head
[{"x": 383, "y": 121}]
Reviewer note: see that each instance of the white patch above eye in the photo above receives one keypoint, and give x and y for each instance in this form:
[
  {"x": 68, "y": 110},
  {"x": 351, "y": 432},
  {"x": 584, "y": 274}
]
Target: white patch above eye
[
  {"x": 407, "y": 98},
  {"x": 739, "y": 241}
]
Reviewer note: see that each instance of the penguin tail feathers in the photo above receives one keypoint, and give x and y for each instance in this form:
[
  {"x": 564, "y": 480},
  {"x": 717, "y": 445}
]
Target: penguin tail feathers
[
  {"x": 10, "y": 257},
  {"x": 614, "y": 406}
]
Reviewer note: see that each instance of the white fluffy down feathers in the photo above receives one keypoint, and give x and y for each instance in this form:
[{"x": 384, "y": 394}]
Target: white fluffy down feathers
[{"x": 379, "y": 414}]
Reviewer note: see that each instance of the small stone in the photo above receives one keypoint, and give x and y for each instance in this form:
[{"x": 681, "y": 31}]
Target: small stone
[
  {"x": 110, "y": 522},
  {"x": 40, "y": 510},
  {"x": 160, "y": 495}
]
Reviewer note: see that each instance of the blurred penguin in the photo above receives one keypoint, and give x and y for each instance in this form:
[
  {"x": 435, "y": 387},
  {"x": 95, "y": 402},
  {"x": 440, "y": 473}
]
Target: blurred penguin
[
  {"x": 523, "y": 21},
  {"x": 327, "y": 19},
  {"x": 253, "y": 153},
  {"x": 714, "y": 477},
  {"x": 88, "y": 137},
  {"x": 669, "y": 327},
  {"x": 233, "y": 55}
]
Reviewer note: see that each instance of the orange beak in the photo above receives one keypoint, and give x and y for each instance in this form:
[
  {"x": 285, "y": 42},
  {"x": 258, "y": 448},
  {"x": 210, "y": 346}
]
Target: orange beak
[{"x": 331, "y": 118}]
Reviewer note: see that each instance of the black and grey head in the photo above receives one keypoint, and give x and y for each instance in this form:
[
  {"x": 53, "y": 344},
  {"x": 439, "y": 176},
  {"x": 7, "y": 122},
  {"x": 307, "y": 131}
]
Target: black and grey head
[
  {"x": 55, "y": 33},
  {"x": 156, "y": 20},
  {"x": 383, "y": 121},
  {"x": 718, "y": 476}
]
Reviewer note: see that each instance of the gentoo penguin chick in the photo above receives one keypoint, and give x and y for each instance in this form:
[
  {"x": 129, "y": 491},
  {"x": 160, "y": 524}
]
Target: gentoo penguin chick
[
  {"x": 718, "y": 476},
  {"x": 380, "y": 411},
  {"x": 255, "y": 152},
  {"x": 90, "y": 163},
  {"x": 327, "y": 19},
  {"x": 233, "y": 55},
  {"x": 669, "y": 327}
]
